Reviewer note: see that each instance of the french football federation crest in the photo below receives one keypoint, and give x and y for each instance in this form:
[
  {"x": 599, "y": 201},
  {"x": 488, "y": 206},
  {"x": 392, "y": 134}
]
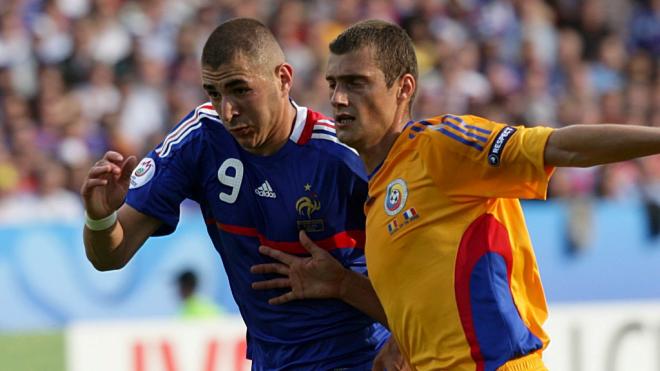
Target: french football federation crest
[
  {"x": 395, "y": 196},
  {"x": 306, "y": 206}
]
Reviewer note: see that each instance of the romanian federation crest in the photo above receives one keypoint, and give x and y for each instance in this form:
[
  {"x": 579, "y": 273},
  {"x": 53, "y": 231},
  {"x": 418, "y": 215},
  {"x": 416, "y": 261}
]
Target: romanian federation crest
[{"x": 395, "y": 196}]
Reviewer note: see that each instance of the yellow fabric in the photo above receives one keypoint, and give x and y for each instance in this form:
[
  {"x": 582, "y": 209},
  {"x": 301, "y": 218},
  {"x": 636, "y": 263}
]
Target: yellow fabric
[
  {"x": 532, "y": 362},
  {"x": 450, "y": 184}
]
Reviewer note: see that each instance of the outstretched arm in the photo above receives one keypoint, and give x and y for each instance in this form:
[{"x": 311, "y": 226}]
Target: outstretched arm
[
  {"x": 318, "y": 276},
  {"x": 589, "y": 145}
]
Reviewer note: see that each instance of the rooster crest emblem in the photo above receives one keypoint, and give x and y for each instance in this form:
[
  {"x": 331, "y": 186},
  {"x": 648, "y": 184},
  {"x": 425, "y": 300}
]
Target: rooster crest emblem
[{"x": 307, "y": 206}]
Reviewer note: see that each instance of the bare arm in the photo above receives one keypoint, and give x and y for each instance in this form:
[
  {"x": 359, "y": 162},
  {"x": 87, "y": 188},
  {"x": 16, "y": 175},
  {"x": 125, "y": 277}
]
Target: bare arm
[
  {"x": 103, "y": 192},
  {"x": 113, "y": 248},
  {"x": 356, "y": 290},
  {"x": 589, "y": 145},
  {"x": 318, "y": 276}
]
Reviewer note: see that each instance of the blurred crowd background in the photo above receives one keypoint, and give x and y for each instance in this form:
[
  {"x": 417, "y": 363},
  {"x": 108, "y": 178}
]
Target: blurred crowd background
[{"x": 79, "y": 77}]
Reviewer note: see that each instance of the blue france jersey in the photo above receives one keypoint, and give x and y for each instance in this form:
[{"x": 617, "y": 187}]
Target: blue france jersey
[{"x": 314, "y": 183}]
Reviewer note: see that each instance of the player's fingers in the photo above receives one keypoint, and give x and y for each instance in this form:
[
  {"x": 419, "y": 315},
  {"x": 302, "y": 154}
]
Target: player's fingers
[
  {"x": 114, "y": 157},
  {"x": 275, "y": 283},
  {"x": 127, "y": 168},
  {"x": 90, "y": 184},
  {"x": 289, "y": 296},
  {"x": 285, "y": 258},
  {"x": 106, "y": 166},
  {"x": 270, "y": 268},
  {"x": 308, "y": 244},
  {"x": 99, "y": 170}
]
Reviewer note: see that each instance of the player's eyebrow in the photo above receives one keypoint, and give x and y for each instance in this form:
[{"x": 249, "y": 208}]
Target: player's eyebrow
[
  {"x": 235, "y": 82},
  {"x": 228, "y": 85},
  {"x": 348, "y": 77}
]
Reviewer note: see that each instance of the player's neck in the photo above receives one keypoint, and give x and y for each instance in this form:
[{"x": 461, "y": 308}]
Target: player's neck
[
  {"x": 281, "y": 131},
  {"x": 374, "y": 155}
]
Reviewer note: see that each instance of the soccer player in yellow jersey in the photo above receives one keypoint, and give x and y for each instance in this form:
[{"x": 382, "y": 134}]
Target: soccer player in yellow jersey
[{"x": 447, "y": 248}]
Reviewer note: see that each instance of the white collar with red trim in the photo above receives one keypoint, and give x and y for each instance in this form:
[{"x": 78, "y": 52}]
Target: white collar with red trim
[{"x": 299, "y": 124}]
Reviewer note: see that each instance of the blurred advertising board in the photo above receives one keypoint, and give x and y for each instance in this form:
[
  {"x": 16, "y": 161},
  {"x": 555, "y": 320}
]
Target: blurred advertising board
[
  {"x": 605, "y": 336},
  {"x": 157, "y": 345}
]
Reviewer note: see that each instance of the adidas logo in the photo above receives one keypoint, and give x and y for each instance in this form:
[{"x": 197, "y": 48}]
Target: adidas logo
[{"x": 265, "y": 190}]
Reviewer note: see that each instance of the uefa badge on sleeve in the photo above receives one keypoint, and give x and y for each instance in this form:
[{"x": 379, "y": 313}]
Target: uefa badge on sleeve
[
  {"x": 143, "y": 173},
  {"x": 395, "y": 196}
]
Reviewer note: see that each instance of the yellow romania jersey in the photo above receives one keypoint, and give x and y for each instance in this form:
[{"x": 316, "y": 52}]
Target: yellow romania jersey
[{"x": 447, "y": 247}]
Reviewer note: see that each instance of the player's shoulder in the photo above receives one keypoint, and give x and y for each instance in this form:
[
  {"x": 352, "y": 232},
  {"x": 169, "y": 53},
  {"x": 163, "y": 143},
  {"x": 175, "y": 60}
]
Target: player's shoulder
[
  {"x": 191, "y": 128},
  {"x": 461, "y": 131},
  {"x": 317, "y": 132}
]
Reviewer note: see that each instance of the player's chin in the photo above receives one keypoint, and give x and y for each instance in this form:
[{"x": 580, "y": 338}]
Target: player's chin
[
  {"x": 247, "y": 143},
  {"x": 346, "y": 136}
]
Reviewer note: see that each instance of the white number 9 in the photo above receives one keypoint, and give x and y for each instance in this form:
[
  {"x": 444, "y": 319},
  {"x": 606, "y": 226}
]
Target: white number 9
[{"x": 233, "y": 181}]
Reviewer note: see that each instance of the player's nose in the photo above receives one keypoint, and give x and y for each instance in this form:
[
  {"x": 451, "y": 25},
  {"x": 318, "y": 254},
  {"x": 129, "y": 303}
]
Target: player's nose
[
  {"x": 338, "y": 97},
  {"x": 228, "y": 110}
]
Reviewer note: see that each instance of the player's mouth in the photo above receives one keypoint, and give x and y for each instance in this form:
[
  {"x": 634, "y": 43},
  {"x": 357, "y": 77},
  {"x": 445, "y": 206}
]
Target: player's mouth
[
  {"x": 344, "y": 120},
  {"x": 240, "y": 131}
]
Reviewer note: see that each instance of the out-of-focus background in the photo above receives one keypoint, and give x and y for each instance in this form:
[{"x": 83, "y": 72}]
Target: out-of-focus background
[{"x": 79, "y": 77}]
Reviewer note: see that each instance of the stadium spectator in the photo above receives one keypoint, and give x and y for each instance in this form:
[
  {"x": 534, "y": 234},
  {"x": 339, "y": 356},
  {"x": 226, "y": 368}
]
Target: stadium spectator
[
  {"x": 193, "y": 304},
  {"x": 49, "y": 202}
]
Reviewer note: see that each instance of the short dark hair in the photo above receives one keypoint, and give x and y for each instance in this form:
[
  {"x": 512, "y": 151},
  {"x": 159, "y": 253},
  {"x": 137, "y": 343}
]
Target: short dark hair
[
  {"x": 243, "y": 37},
  {"x": 392, "y": 47}
]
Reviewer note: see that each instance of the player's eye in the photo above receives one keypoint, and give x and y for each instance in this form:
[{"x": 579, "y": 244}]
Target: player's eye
[
  {"x": 241, "y": 91},
  {"x": 353, "y": 84},
  {"x": 213, "y": 94}
]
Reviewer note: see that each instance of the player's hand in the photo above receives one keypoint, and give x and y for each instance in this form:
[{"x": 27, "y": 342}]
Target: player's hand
[
  {"x": 317, "y": 276},
  {"x": 106, "y": 184},
  {"x": 389, "y": 358}
]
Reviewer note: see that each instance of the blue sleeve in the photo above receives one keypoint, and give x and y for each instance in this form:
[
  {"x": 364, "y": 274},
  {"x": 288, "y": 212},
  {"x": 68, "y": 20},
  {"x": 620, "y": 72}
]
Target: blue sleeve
[{"x": 163, "y": 179}]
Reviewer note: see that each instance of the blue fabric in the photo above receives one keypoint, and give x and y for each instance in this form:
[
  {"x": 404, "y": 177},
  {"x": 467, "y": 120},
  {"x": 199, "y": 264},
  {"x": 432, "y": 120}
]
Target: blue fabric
[{"x": 501, "y": 333}]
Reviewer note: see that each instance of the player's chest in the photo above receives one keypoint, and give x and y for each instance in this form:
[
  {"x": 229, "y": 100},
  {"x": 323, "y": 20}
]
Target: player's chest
[
  {"x": 399, "y": 198},
  {"x": 241, "y": 192}
]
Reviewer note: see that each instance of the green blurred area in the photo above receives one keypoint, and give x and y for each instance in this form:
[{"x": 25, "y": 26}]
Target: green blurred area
[{"x": 42, "y": 351}]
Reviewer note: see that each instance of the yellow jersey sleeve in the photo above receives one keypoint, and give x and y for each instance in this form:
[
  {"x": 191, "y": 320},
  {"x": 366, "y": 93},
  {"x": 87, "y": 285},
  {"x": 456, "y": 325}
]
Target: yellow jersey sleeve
[{"x": 473, "y": 156}]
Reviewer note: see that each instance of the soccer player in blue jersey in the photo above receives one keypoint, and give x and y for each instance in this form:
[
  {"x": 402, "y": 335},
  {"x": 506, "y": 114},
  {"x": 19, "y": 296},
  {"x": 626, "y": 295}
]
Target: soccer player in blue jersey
[{"x": 262, "y": 168}]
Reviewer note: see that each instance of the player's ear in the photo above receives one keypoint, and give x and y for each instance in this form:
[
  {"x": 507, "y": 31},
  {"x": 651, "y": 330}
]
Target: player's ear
[
  {"x": 285, "y": 75},
  {"x": 407, "y": 86}
]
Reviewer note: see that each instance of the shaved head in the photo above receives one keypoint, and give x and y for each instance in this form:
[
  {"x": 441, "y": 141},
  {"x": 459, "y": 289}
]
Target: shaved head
[{"x": 245, "y": 39}]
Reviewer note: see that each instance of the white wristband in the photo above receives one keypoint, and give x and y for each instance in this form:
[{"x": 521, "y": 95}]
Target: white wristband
[{"x": 100, "y": 224}]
